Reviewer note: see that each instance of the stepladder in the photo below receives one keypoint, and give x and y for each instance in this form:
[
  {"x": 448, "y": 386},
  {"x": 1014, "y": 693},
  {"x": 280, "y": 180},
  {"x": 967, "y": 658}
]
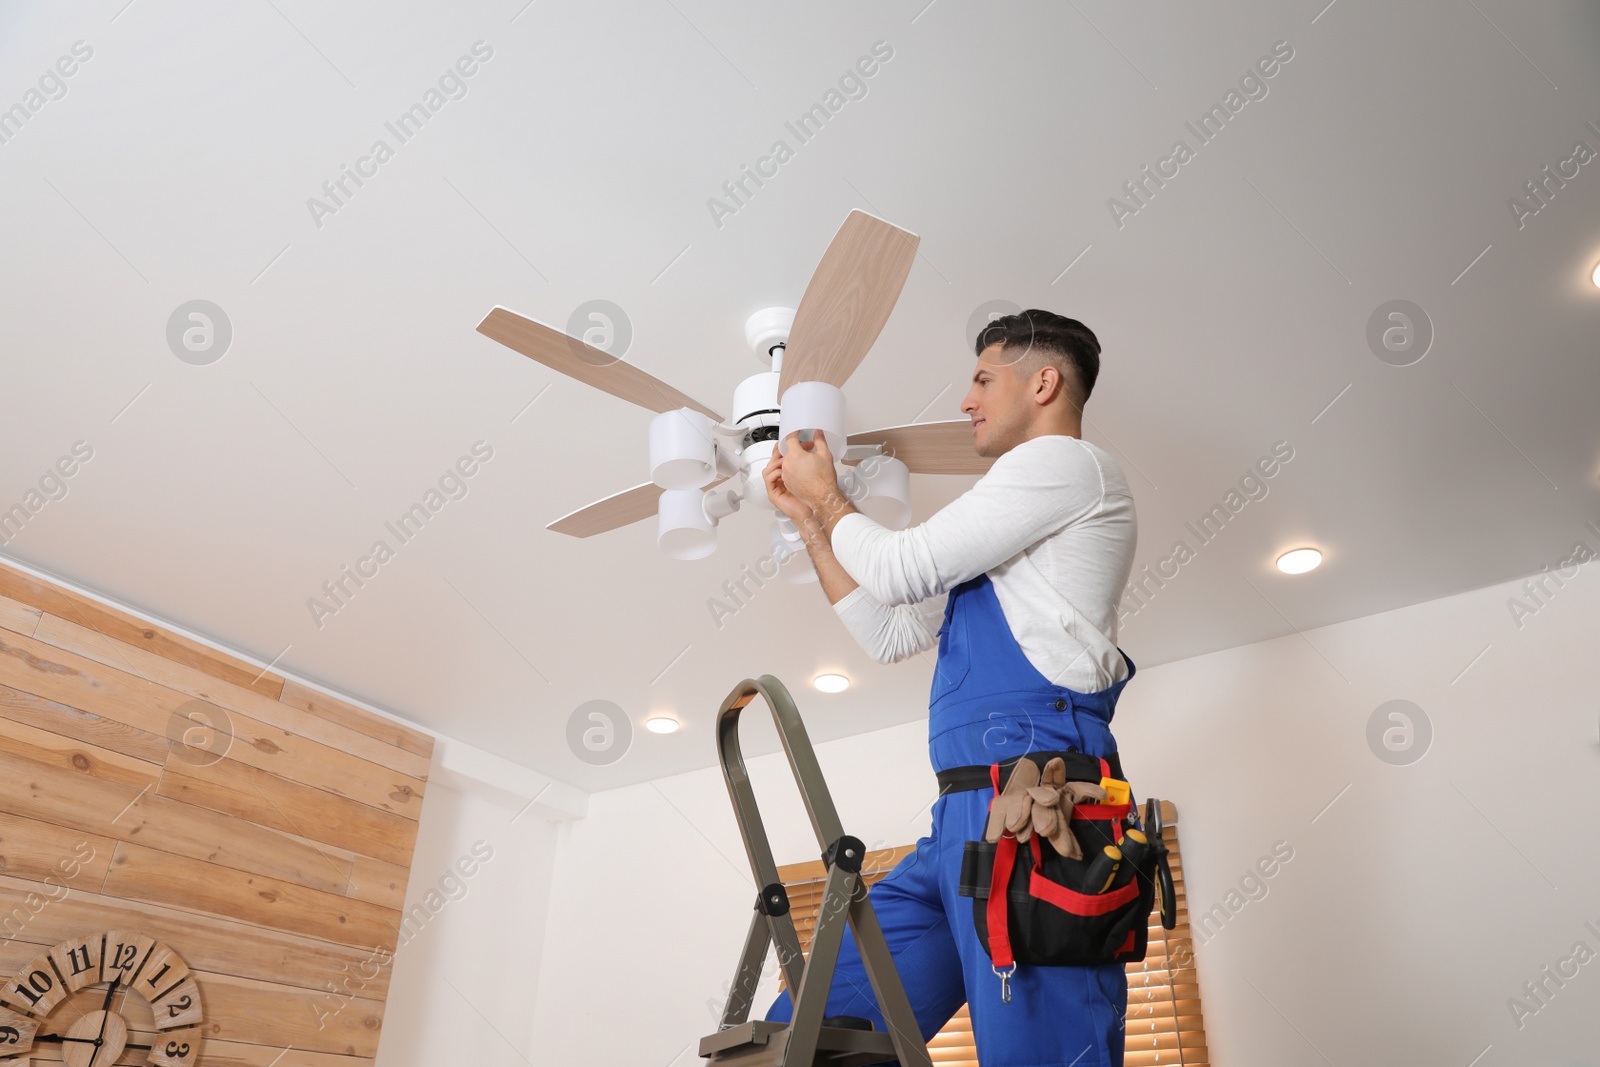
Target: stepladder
[{"x": 810, "y": 1038}]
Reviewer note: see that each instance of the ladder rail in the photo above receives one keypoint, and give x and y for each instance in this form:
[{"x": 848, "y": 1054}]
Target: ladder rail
[
  {"x": 842, "y": 884},
  {"x": 748, "y": 814}
]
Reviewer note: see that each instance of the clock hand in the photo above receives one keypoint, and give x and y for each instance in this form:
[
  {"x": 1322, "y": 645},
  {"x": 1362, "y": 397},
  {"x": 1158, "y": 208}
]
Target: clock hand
[
  {"x": 63, "y": 1037},
  {"x": 107, "y": 1006},
  {"x": 105, "y": 1016}
]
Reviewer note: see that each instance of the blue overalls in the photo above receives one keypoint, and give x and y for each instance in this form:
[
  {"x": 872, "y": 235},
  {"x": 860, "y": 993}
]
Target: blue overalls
[{"x": 988, "y": 703}]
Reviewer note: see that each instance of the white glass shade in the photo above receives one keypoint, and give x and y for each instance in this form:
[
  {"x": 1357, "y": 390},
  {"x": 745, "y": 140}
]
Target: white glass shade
[
  {"x": 794, "y": 562},
  {"x": 812, "y": 406},
  {"x": 682, "y": 529},
  {"x": 682, "y": 449},
  {"x": 888, "y": 496}
]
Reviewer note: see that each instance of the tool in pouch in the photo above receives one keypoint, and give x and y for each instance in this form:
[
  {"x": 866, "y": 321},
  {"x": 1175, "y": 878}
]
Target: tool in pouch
[{"x": 1067, "y": 873}]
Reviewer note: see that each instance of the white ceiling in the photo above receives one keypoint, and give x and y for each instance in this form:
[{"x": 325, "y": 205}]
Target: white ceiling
[{"x": 1232, "y": 309}]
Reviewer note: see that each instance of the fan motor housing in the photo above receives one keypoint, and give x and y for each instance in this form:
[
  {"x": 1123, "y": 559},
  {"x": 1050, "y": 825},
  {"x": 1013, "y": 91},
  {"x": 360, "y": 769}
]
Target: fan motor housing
[
  {"x": 768, "y": 329},
  {"x": 756, "y": 413},
  {"x": 755, "y": 405}
]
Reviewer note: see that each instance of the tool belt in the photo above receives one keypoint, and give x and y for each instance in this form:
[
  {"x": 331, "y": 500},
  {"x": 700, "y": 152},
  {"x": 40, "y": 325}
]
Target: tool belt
[{"x": 1067, "y": 873}]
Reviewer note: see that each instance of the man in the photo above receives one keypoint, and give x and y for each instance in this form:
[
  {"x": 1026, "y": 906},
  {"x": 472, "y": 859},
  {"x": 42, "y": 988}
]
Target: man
[{"x": 1034, "y": 558}]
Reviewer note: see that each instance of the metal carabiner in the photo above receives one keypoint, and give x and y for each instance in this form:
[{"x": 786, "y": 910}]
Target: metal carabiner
[{"x": 1005, "y": 982}]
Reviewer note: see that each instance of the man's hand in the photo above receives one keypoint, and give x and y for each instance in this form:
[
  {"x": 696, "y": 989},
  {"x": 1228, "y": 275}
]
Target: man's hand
[
  {"x": 809, "y": 474},
  {"x": 814, "y": 532},
  {"x": 782, "y": 497}
]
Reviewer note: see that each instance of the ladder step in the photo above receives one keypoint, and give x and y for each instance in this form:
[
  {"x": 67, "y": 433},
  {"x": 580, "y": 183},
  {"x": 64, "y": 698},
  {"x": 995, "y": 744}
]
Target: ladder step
[
  {"x": 848, "y": 1022},
  {"x": 759, "y": 1041}
]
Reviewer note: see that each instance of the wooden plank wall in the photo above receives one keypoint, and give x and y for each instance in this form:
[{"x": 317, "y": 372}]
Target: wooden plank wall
[{"x": 278, "y": 871}]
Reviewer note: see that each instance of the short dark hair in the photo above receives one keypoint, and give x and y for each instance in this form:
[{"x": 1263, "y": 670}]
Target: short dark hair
[{"x": 1067, "y": 340}]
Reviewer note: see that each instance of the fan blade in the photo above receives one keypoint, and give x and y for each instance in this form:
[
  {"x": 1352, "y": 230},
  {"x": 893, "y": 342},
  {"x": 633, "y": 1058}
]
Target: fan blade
[
  {"x": 847, "y": 302},
  {"x": 618, "y": 510},
  {"x": 587, "y": 364},
  {"x": 628, "y": 506},
  {"x": 930, "y": 447}
]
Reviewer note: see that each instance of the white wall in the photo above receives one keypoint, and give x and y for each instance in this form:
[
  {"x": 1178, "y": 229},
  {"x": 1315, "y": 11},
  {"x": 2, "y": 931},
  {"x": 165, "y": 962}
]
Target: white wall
[
  {"x": 477, "y": 904},
  {"x": 1413, "y": 909}
]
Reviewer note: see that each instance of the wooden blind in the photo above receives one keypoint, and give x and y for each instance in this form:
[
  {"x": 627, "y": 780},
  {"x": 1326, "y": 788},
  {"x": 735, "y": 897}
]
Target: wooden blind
[{"x": 1164, "y": 1025}]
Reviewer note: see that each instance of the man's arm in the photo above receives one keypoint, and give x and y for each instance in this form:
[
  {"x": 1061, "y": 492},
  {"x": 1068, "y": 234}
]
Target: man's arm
[
  {"x": 1028, "y": 494},
  {"x": 836, "y": 582},
  {"x": 888, "y": 633}
]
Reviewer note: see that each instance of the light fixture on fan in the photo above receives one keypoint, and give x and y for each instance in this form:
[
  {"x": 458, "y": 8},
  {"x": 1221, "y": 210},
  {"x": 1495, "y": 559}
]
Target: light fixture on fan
[
  {"x": 812, "y": 351},
  {"x": 789, "y": 550},
  {"x": 686, "y": 521},
  {"x": 885, "y": 490},
  {"x": 688, "y": 450}
]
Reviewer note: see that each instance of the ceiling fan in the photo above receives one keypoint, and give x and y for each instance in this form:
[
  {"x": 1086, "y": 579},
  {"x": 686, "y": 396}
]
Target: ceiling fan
[{"x": 813, "y": 350}]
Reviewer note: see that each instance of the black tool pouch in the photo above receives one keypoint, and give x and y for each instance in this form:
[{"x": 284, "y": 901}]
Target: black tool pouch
[{"x": 1053, "y": 916}]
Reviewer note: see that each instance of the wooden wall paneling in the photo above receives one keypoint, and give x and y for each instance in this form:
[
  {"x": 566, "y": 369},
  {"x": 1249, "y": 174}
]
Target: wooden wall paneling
[
  {"x": 70, "y": 636},
  {"x": 208, "y": 943},
  {"x": 30, "y": 709},
  {"x": 151, "y": 876},
  {"x": 18, "y": 617},
  {"x": 69, "y": 754},
  {"x": 32, "y": 592},
  {"x": 217, "y": 1054},
  {"x": 257, "y": 796},
  {"x": 346, "y": 714},
  {"x": 277, "y": 873},
  {"x": 257, "y": 1013},
  {"x": 65, "y": 677},
  {"x": 92, "y": 806},
  {"x": 51, "y": 855},
  {"x": 378, "y": 882}
]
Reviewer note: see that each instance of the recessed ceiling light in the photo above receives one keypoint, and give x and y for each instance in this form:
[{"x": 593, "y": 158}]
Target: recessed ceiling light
[
  {"x": 1299, "y": 561},
  {"x": 1595, "y": 277},
  {"x": 662, "y": 724},
  {"x": 831, "y": 683}
]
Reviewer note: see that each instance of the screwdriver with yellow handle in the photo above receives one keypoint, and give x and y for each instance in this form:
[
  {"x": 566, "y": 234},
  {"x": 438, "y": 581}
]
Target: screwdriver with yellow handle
[
  {"x": 1103, "y": 869},
  {"x": 1135, "y": 850}
]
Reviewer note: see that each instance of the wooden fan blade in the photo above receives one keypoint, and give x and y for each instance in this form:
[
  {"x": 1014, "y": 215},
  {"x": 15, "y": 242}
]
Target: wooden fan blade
[
  {"x": 621, "y": 509},
  {"x": 618, "y": 510},
  {"x": 930, "y": 447},
  {"x": 587, "y": 364},
  {"x": 847, "y": 302}
]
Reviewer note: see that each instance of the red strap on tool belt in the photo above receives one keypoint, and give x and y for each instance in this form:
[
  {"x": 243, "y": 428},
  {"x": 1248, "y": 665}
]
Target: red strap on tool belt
[{"x": 1005, "y": 855}]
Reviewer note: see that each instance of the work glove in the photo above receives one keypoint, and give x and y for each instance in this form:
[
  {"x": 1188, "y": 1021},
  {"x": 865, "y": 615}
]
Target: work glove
[
  {"x": 1051, "y": 814},
  {"x": 1010, "y": 810},
  {"x": 1030, "y": 804}
]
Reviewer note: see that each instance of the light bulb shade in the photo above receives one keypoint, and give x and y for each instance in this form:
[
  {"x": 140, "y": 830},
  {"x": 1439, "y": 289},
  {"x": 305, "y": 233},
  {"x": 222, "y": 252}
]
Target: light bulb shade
[
  {"x": 785, "y": 534},
  {"x": 888, "y": 496},
  {"x": 794, "y": 562},
  {"x": 682, "y": 529},
  {"x": 812, "y": 406},
  {"x": 682, "y": 449}
]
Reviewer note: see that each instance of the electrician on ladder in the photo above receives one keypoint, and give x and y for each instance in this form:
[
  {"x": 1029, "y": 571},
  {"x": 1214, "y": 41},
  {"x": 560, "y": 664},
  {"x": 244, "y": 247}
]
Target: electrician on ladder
[{"x": 1034, "y": 558}]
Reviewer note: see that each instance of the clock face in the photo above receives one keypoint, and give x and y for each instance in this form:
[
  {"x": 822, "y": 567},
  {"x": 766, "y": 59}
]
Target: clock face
[{"x": 41, "y": 1004}]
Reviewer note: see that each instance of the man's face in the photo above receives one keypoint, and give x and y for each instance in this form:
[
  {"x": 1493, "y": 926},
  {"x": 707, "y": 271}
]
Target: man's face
[{"x": 998, "y": 402}]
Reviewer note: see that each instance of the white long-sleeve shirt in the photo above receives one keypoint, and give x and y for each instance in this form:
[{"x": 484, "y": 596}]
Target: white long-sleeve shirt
[{"x": 1052, "y": 523}]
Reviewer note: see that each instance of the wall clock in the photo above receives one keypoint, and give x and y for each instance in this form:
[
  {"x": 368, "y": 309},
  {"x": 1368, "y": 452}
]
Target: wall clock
[{"x": 121, "y": 961}]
